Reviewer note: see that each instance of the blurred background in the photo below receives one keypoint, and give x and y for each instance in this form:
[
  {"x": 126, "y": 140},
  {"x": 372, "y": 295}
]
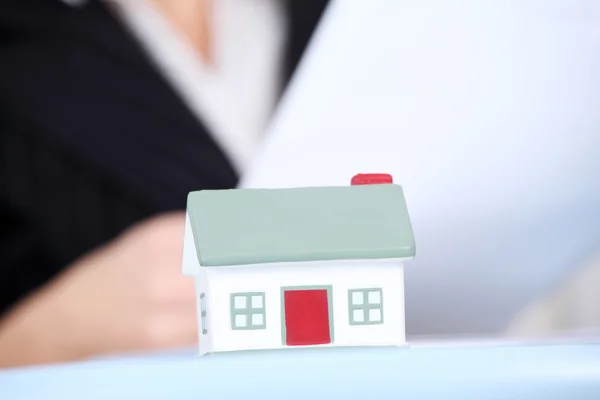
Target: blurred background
[{"x": 112, "y": 111}]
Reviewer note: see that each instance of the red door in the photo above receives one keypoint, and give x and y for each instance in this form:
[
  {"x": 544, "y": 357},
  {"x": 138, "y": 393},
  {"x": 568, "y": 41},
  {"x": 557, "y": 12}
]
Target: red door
[{"x": 306, "y": 317}]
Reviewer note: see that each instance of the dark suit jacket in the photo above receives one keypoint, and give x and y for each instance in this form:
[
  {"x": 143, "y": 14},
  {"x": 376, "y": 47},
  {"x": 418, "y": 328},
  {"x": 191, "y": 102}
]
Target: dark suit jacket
[{"x": 92, "y": 138}]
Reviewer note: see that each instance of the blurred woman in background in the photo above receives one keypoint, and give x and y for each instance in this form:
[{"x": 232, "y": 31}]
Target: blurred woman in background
[{"x": 110, "y": 113}]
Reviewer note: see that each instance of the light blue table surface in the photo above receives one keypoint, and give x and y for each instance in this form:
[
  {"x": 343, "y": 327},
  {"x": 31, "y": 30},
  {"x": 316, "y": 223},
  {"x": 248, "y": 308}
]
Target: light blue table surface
[{"x": 506, "y": 372}]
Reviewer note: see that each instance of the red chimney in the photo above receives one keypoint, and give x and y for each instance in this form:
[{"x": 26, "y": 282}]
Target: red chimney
[{"x": 371, "y": 179}]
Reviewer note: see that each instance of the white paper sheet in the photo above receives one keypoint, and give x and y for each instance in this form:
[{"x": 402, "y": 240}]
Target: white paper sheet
[{"x": 487, "y": 113}]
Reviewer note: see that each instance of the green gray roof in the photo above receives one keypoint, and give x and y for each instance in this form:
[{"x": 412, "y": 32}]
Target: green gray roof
[{"x": 254, "y": 226}]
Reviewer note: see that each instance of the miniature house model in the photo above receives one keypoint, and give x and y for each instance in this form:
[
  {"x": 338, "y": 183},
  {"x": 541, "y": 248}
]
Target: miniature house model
[{"x": 279, "y": 268}]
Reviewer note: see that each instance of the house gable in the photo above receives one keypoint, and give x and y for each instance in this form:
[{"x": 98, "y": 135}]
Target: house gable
[{"x": 256, "y": 226}]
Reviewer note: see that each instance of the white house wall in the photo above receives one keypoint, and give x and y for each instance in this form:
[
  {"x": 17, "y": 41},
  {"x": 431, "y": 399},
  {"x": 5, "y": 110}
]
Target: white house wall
[
  {"x": 270, "y": 279},
  {"x": 190, "y": 263}
]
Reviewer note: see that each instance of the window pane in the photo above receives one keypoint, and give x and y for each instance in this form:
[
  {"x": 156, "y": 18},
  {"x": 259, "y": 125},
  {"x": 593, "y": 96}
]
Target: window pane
[
  {"x": 240, "y": 302},
  {"x": 240, "y": 321},
  {"x": 375, "y": 315},
  {"x": 357, "y": 298},
  {"x": 257, "y": 301},
  {"x": 257, "y": 319},
  {"x": 358, "y": 316},
  {"x": 375, "y": 297}
]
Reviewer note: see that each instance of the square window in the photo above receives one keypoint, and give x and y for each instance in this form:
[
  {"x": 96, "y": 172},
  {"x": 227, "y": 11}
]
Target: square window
[
  {"x": 247, "y": 310},
  {"x": 239, "y": 302},
  {"x": 358, "y": 316},
  {"x": 357, "y": 298},
  {"x": 257, "y": 319},
  {"x": 365, "y": 306},
  {"x": 257, "y": 301},
  {"x": 240, "y": 321},
  {"x": 375, "y": 297},
  {"x": 375, "y": 315}
]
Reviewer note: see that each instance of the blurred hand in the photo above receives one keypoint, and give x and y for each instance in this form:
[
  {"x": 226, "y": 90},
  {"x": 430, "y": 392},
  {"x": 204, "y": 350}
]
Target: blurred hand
[{"x": 128, "y": 296}]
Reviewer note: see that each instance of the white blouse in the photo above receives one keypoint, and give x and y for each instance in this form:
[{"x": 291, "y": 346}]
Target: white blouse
[{"x": 235, "y": 95}]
